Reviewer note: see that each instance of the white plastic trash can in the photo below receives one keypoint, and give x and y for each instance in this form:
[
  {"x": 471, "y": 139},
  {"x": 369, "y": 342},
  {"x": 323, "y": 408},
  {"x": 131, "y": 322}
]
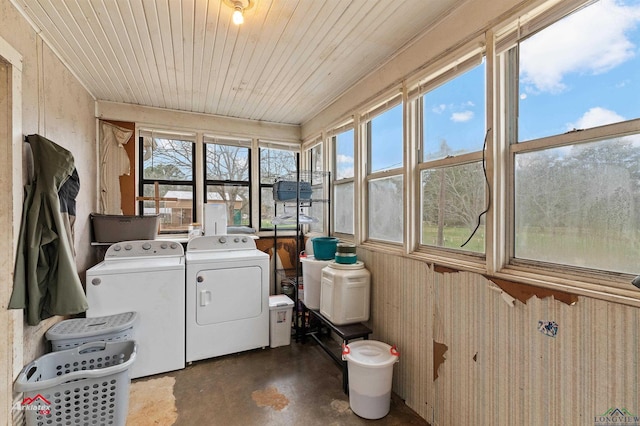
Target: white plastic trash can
[
  {"x": 370, "y": 365},
  {"x": 280, "y": 311}
]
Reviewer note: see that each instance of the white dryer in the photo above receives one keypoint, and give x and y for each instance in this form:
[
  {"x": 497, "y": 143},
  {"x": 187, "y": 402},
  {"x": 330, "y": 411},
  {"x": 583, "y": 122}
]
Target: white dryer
[
  {"x": 146, "y": 277},
  {"x": 227, "y": 284}
]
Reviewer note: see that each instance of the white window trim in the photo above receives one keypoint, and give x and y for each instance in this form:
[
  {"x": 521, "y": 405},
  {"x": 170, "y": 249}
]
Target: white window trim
[{"x": 604, "y": 285}]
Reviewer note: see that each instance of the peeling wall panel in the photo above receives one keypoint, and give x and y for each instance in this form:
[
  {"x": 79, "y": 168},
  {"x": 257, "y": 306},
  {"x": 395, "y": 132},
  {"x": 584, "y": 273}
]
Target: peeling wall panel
[{"x": 499, "y": 368}]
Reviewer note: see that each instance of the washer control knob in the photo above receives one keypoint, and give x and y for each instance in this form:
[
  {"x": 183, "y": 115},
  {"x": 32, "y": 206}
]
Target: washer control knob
[
  {"x": 96, "y": 281},
  {"x": 174, "y": 245},
  {"x": 117, "y": 247},
  {"x": 146, "y": 246},
  {"x": 163, "y": 246},
  {"x": 222, "y": 240},
  {"x": 236, "y": 239},
  {"x": 128, "y": 247},
  {"x": 245, "y": 239}
]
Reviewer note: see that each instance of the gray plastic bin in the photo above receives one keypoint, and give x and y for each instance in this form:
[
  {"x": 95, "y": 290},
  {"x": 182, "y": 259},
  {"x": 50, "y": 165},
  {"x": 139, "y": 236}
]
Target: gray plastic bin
[{"x": 70, "y": 333}]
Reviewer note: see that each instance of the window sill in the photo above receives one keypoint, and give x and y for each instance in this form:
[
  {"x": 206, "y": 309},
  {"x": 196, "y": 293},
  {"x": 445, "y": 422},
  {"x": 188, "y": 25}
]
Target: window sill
[{"x": 563, "y": 286}]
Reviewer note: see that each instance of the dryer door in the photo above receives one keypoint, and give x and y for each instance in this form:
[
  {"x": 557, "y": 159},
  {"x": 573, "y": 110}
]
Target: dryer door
[{"x": 228, "y": 294}]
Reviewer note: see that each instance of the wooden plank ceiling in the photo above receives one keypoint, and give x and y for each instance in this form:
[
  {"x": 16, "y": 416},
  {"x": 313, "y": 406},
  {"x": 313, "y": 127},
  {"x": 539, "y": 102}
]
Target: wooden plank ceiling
[{"x": 288, "y": 61}]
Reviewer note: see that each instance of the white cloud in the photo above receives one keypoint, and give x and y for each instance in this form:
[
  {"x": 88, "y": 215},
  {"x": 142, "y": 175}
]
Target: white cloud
[
  {"x": 439, "y": 109},
  {"x": 596, "y": 117},
  {"x": 460, "y": 117},
  {"x": 344, "y": 159},
  {"x": 599, "y": 117},
  {"x": 562, "y": 48}
]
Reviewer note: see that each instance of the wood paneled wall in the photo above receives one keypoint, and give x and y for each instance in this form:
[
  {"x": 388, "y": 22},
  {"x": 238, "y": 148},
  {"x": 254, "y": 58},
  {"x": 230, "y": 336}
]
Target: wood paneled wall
[{"x": 497, "y": 367}]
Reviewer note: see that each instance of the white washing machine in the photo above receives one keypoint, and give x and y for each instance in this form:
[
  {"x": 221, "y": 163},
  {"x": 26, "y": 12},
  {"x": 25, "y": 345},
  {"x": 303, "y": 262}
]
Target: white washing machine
[
  {"x": 146, "y": 277},
  {"x": 227, "y": 296}
]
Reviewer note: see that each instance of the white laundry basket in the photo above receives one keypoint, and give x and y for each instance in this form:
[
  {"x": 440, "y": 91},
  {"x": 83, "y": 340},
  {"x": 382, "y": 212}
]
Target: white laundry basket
[
  {"x": 70, "y": 333},
  {"x": 86, "y": 385},
  {"x": 370, "y": 365}
]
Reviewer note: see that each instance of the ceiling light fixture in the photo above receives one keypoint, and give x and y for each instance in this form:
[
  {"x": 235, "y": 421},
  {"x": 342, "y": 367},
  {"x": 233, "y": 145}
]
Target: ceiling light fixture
[
  {"x": 239, "y": 7},
  {"x": 237, "y": 14}
]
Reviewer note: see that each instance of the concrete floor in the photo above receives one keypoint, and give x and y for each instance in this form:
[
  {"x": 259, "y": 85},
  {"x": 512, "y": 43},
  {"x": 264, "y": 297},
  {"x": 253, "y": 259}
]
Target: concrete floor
[{"x": 290, "y": 385}]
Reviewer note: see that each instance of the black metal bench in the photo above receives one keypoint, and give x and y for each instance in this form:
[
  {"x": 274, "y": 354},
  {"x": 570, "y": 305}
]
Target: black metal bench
[{"x": 345, "y": 332}]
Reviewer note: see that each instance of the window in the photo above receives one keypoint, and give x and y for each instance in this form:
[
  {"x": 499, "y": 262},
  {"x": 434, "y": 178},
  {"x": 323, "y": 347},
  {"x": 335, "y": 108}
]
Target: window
[
  {"x": 453, "y": 185},
  {"x": 227, "y": 177},
  {"x": 275, "y": 163},
  {"x": 316, "y": 210},
  {"x": 343, "y": 199},
  {"x": 384, "y": 179},
  {"x": 166, "y": 183},
  {"x": 576, "y": 153}
]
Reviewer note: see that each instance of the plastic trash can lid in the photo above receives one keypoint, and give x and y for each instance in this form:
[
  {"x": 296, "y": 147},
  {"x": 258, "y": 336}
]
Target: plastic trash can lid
[
  {"x": 370, "y": 353},
  {"x": 279, "y": 301}
]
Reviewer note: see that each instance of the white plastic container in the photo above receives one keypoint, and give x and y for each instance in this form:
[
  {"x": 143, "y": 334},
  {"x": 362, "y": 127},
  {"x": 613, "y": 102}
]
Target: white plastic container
[
  {"x": 345, "y": 293},
  {"x": 370, "y": 377},
  {"x": 280, "y": 312},
  {"x": 311, "y": 277}
]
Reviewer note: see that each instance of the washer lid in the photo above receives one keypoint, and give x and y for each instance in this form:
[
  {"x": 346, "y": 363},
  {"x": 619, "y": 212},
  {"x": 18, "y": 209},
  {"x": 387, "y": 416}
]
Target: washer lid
[{"x": 151, "y": 264}]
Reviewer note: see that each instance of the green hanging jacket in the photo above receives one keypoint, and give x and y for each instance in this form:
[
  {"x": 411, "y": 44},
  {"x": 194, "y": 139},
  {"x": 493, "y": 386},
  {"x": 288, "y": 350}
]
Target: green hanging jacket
[{"x": 46, "y": 280}]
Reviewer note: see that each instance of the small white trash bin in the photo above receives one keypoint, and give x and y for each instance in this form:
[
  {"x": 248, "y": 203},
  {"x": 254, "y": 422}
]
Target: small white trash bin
[
  {"x": 370, "y": 365},
  {"x": 281, "y": 309}
]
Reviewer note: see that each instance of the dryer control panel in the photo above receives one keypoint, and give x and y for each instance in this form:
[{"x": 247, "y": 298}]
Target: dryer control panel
[
  {"x": 144, "y": 248},
  {"x": 221, "y": 242}
]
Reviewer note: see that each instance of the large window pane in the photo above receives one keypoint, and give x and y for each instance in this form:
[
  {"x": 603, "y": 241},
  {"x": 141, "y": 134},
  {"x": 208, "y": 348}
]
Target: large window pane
[
  {"x": 580, "y": 205},
  {"x": 343, "y": 208},
  {"x": 166, "y": 181},
  {"x": 237, "y": 200},
  {"x": 227, "y": 180},
  {"x": 386, "y": 140},
  {"x": 581, "y": 72},
  {"x": 315, "y": 159},
  {"x": 176, "y": 211},
  {"x": 275, "y": 163},
  {"x": 167, "y": 159},
  {"x": 452, "y": 200},
  {"x": 344, "y": 154},
  {"x": 224, "y": 162},
  {"x": 386, "y": 209},
  {"x": 454, "y": 116}
]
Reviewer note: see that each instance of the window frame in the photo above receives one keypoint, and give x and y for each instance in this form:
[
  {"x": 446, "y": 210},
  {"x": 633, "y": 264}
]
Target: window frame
[
  {"x": 337, "y": 182},
  {"x": 366, "y": 119},
  {"x": 237, "y": 142},
  {"x": 261, "y": 186},
  {"x": 184, "y": 137},
  {"x": 448, "y": 72},
  {"x": 603, "y": 284}
]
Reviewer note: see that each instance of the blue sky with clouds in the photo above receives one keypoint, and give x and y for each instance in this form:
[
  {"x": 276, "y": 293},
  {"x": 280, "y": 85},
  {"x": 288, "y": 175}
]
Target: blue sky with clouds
[{"x": 581, "y": 72}]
